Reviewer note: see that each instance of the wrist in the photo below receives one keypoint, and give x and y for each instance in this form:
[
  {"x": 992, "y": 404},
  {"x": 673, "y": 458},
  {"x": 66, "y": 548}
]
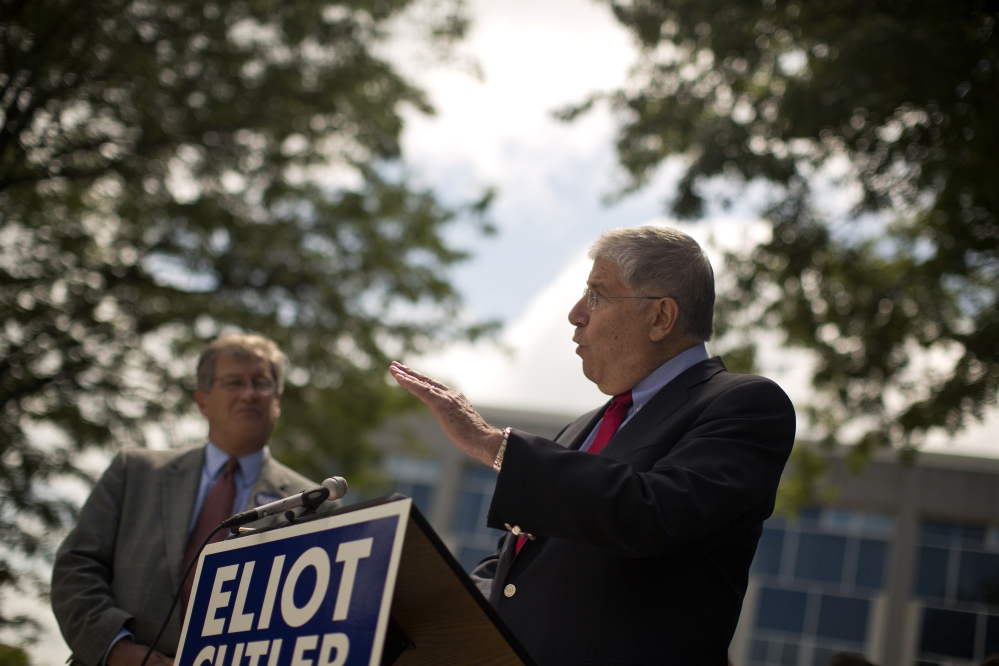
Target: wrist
[{"x": 498, "y": 461}]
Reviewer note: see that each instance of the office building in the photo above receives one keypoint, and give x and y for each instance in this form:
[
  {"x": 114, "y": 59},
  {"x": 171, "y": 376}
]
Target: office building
[{"x": 901, "y": 564}]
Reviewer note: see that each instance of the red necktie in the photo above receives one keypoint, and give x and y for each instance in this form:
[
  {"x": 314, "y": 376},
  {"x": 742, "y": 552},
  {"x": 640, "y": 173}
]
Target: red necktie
[
  {"x": 613, "y": 417},
  {"x": 217, "y": 507}
]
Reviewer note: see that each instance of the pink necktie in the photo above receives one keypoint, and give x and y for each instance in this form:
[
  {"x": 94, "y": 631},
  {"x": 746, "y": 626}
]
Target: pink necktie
[
  {"x": 613, "y": 416},
  {"x": 217, "y": 507}
]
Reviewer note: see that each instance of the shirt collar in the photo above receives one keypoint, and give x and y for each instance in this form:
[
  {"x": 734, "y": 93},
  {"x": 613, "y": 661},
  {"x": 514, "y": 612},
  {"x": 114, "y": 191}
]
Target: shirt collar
[
  {"x": 665, "y": 373},
  {"x": 249, "y": 465}
]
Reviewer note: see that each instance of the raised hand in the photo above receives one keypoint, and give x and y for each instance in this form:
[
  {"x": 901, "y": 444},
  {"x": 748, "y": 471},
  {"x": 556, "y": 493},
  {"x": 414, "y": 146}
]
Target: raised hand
[{"x": 464, "y": 426}]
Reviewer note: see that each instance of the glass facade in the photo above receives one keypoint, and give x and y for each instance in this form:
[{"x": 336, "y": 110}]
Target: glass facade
[
  {"x": 416, "y": 478},
  {"x": 957, "y": 584},
  {"x": 819, "y": 581},
  {"x": 473, "y": 540},
  {"x": 818, "y": 577}
]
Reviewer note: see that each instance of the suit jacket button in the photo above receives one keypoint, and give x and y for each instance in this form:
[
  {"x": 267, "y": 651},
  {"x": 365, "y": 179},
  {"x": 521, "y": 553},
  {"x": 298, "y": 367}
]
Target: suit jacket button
[{"x": 510, "y": 590}]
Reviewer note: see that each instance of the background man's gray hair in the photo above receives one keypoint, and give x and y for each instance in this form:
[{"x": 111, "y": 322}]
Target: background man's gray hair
[
  {"x": 244, "y": 345},
  {"x": 661, "y": 261}
]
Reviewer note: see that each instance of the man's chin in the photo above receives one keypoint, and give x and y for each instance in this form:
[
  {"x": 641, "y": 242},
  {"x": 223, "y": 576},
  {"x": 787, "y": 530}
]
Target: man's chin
[{"x": 252, "y": 435}]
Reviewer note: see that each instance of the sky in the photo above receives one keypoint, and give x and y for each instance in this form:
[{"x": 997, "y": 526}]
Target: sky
[{"x": 552, "y": 179}]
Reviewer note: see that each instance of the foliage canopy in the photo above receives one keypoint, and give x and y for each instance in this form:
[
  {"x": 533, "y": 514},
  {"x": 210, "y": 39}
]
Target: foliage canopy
[
  {"x": 891, "y": 111},
  {"x": 170, "y": 170}
]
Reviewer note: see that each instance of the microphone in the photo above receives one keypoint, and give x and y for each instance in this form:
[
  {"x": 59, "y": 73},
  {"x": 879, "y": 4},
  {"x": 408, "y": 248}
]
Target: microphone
[{"x": 332, "y": 488}]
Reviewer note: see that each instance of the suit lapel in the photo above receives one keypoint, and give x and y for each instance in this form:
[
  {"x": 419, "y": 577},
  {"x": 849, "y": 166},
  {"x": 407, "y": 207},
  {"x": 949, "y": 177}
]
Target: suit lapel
[
  {"x": 268, "y": 484},
  {"x": 575, "y": 433},
  {"x": 178, "y": 491},
  {"x": 662, "y": 405}
]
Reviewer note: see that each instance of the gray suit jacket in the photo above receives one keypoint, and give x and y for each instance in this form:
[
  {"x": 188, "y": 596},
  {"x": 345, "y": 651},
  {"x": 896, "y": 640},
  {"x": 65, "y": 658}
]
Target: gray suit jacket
[{"x": 121, "y": 564}]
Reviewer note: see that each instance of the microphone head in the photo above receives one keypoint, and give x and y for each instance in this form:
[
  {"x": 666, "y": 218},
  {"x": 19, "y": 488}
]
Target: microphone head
[{"x": 337, "y": 485}]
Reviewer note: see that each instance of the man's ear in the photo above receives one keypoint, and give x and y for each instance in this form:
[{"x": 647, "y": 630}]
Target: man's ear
[
  {"x": 665, "y": 317},
  {"x": 201, "y": 399}
]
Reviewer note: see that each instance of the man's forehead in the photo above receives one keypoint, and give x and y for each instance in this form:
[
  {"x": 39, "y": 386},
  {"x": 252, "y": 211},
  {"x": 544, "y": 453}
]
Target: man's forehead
[
  {"x": 236, "y": 362},
  {"x": 603, "y": 273}
]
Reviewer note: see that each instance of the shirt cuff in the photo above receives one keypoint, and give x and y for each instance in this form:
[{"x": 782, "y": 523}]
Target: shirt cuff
[{"x": 122, "y": 633}]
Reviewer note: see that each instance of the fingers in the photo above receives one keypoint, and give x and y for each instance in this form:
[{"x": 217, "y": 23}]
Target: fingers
[
  {"x": 458, "y": 418},
  {"x": 399, "y": 370},
  {"x": 411, "y": 384},
  {"x": 127, "y": 653},
  {"x": 430, "y": 391},
  {"x": 160, "y": 659}
]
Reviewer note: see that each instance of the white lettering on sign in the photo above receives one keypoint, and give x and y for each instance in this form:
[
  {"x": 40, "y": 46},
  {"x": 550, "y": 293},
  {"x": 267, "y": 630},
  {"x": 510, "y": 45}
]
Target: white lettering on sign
[
  {"x": 302, "y": 645},
  {"x": 253, "y": 652},
  {"x": 205, "y": 656},
  {"x": 349, "y": 553},
  {"x": 242, "y": 621},
  {"x": 271, "y": 594},
  {"x": 219, "y": 599},
  {"x": 316, "y": 558},
  {"x": 242, "y": 618},
  {"x": 275, "y": 651},
  {"x": 333, "y": 652}
]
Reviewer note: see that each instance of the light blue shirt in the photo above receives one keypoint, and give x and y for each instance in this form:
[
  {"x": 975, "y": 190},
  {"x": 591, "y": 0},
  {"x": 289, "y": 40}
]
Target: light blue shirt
[
  {"x": 654, "y": 382},
  {"x": 245, "y": 477}
]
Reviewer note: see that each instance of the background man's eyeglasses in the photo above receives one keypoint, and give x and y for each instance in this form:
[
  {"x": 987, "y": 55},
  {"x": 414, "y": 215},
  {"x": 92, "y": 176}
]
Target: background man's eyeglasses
[{"x": 261, "y": 385}]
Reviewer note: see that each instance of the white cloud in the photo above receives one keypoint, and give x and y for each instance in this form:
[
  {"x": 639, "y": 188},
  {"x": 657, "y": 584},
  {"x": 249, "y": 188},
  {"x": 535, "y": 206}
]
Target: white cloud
[{"x": 534, "y": 366}]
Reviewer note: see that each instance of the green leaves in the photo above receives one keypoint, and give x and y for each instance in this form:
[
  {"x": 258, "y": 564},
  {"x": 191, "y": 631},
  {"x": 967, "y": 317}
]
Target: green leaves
[
  {"x": 872, "y": 125},
  {"x": 172, "y": 170}
]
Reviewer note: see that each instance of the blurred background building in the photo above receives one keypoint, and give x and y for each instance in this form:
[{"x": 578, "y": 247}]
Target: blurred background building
[{"x": 902, "y": 566}]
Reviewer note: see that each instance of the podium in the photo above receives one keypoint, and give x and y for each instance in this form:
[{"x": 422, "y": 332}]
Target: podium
[{"x": 371, "y": 583}]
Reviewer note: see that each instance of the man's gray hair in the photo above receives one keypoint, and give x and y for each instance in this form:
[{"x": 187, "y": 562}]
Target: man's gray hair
[
  {"x": 240, "y": 345},
  {"x": 661, "y": 261}
]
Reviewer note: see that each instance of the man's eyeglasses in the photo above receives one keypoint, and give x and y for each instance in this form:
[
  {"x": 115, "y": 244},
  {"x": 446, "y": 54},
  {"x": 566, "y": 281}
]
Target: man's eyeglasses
[
  {"x": 592, "y": 296},
  {"x": 261, "y": 385}
]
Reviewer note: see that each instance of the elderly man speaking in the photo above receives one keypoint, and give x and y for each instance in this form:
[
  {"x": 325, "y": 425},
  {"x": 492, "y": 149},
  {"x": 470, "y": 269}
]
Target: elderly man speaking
[{"x": 631, "y": 534}]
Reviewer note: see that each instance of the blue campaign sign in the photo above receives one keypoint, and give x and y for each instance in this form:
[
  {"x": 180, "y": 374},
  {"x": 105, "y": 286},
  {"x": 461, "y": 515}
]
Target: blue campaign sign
[{"x": 309, "y": 594}]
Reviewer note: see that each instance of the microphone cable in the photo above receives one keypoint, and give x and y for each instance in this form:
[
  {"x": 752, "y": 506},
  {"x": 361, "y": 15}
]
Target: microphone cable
[
  {"x": 310, "y": 501},
  {"x": 176, "y": 596}
]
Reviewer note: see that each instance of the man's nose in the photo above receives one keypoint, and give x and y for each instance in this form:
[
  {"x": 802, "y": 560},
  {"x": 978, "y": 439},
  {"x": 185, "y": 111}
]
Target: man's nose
[
  {"x": 579, "y": 314},
  {"x": 248, "y": 390}
]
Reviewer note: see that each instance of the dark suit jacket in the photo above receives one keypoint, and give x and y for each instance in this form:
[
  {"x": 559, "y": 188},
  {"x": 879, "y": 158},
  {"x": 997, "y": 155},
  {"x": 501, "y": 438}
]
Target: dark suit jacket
[
  {"x": 642, "y": 551},
  {"x": 121, "y": 564}
]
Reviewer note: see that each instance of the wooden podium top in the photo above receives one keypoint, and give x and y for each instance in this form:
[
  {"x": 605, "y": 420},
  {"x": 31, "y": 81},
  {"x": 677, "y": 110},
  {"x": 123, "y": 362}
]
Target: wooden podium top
[{"x": 443, "y": 613}]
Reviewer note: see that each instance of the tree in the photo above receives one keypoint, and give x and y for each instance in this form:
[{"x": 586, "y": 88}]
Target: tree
[
  {"x": 891, "y": 108},
  {"x": 170, "y": 170},
  {"x": 12, "y": 656}
]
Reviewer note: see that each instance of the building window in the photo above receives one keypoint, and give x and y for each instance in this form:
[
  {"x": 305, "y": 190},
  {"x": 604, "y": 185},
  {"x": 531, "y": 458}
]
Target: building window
[
  {"x": 415, "y": 478},
  {"x": 957, "y": 580},
  {"x": 473, "y": 540},
  {"x": 818, "y": 576}
]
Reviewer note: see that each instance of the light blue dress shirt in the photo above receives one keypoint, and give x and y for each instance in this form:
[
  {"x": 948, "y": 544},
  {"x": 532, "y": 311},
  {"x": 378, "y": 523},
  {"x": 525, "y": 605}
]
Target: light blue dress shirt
[
  {"x": 245, "y": 477},
  {"x": 653, "y": 383}
]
